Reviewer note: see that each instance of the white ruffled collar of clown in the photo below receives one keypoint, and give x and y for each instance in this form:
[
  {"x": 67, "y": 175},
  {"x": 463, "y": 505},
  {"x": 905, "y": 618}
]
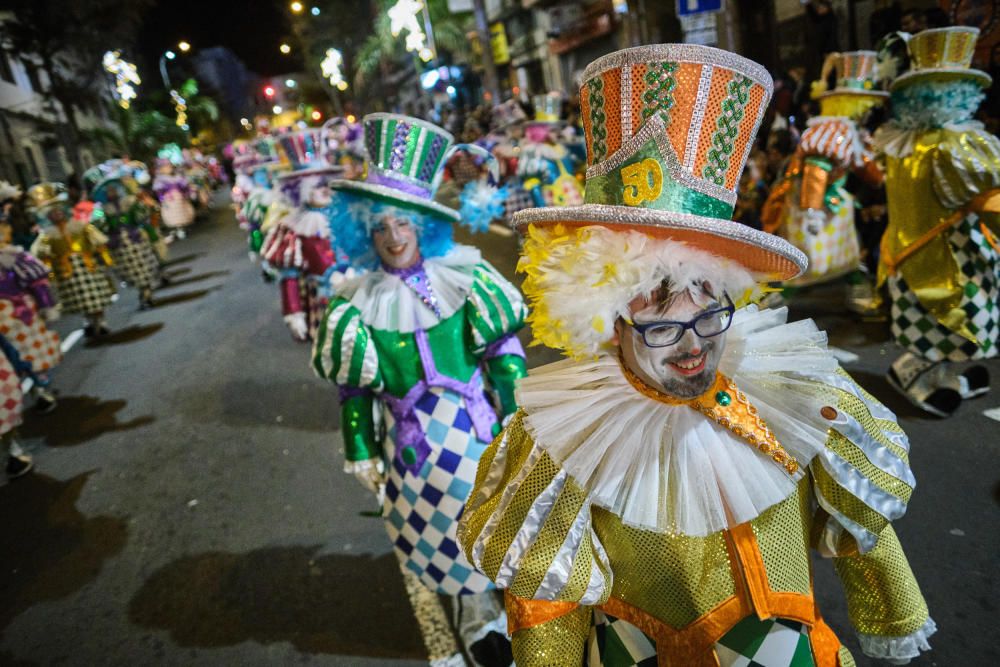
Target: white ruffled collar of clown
[
  {"x": 9, "y": 254},
  {"x": 669, "y": 468},
  {"x": 898, "y": 141},
  {"x": 387, "y": 304},
  {"x": 309, "y": 222}
]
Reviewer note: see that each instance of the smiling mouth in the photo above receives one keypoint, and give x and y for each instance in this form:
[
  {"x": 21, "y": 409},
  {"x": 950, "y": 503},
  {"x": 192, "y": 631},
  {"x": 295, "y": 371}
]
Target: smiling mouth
[
  {"x": 396, "y": 250},
  {"x": 690, "y": 365}
]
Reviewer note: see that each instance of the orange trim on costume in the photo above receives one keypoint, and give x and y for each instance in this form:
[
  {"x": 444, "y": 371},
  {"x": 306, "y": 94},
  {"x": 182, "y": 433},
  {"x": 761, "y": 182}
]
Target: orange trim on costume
[
  {"x": 988, "y": 202},
  {"x": 523, "y": 613},
  {"x": 737, "y": 415},
  {"x": 694, "y": 644},
  {"x": 688, "y": 78},
  {"x": 613, "y": 103}
]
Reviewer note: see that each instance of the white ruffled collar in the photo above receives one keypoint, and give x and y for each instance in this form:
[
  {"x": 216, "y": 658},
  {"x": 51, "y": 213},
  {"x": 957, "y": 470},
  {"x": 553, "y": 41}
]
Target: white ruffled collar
[
  {"x": 309, "y": 222},
  {"x": 898, "y": 141},
  {"x": 387, "y": 304},
  {"x": 9, "y": 255},
  {"x": 669, "y": 468}
]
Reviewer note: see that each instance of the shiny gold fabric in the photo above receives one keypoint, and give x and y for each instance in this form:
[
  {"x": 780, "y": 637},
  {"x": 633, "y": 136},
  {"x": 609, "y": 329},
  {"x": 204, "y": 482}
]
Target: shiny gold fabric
[
  {"x": 948, "y": 176},
  {"x": 561, "y": 641},
  {"x": 883, "y": 597}
]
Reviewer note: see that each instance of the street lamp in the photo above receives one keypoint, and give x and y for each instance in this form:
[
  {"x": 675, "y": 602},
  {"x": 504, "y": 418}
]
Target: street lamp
[
  {"x": 183, "y": 46},
  {"x": 285, "y": 49},
  {"x": 296, "y": 7},
  {"x": 314, "y": 11}
]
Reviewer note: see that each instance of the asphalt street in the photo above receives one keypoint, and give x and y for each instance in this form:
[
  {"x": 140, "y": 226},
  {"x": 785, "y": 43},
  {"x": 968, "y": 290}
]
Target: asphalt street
[{"x": 188, "y": 505}]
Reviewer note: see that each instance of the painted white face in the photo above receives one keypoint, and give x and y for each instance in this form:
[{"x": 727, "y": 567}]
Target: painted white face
[
  {"x": 686, "y": 368},
  {"x": 395, "y": 240},
  {"x": 321, "y": 196}
]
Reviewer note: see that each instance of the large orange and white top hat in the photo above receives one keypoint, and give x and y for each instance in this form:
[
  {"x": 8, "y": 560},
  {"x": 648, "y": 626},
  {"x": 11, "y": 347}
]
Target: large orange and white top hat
[{"x": 669, "y": 128}]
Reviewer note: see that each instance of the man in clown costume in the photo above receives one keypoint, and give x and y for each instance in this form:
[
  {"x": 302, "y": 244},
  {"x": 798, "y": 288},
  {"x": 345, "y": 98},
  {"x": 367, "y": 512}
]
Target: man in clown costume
[
  {"x": 429, "y": 336},
  {"x": 656, "y": 496}
]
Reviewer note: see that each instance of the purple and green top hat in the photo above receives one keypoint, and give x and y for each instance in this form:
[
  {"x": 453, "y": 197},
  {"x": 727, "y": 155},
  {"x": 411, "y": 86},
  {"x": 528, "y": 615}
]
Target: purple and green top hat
[
  {"x": 405, "y": 163},
  {"x": 305, "y": 151}
]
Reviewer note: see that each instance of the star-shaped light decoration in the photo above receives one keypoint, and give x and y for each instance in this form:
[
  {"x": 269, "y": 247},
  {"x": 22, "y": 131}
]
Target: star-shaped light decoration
[
  {"x": 330, "y": 67},
  {"x": 403, "y": 16},
  {"x": 126, "y": 77}
]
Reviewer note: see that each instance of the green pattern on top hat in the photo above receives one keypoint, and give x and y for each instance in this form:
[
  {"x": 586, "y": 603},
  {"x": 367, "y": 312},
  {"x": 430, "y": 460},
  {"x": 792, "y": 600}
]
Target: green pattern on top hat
[
  {"x": 405, "y": 150},
  {"x": 727, "y": 129},
  {"x": 659, "y": 95},
  {"x": 598, "y": 128}
]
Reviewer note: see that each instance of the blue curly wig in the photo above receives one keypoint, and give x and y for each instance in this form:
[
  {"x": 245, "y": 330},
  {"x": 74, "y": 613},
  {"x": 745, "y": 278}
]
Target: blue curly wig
[{"x": 353, "y": 217}]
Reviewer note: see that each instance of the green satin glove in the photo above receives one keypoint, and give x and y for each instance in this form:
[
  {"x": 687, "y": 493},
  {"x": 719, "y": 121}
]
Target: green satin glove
[
  {"x": 359, "y": 428},
  {"x": 503, "y": 373}
]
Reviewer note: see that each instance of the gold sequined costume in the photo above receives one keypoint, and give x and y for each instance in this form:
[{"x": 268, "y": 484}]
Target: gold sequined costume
[{"x": 568, "y": 564}]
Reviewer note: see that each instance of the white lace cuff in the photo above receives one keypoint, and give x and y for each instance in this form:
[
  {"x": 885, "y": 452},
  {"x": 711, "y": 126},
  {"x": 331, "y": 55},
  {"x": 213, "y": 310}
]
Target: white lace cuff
[
  {"x": 898, "y": 650},
  {"x": 354, "y": 467}
]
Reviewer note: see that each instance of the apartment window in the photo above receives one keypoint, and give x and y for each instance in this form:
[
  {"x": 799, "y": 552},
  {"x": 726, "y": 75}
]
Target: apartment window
[
  {"x": 36, "y": 82},
  {"x": 5, "y": 71}
]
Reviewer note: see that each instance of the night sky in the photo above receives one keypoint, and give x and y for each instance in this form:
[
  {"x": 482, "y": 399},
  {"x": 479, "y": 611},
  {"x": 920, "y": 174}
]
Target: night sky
[{"x": 253, "y": 29}]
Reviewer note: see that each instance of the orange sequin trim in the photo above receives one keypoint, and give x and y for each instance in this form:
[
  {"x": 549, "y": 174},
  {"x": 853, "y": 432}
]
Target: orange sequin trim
[
  {"x": 523, "y": 613},
  {"x": 739, "y": 416}
]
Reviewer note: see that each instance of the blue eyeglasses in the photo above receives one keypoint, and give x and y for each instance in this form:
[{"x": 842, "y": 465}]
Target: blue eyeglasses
[{"x": 707, "y": 324}]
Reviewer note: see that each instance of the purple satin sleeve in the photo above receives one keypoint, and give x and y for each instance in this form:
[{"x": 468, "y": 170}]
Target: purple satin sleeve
[
  {"x": 347, "y": 393},
  {"x": 42, "y": 293},
  {"x": 508, "y": 344}
]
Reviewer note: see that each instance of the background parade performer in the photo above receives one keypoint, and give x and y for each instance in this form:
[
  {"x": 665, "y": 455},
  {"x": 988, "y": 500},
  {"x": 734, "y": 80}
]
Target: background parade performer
[
  {"x": 811, "y": 207},
  {"x": 427, "y": 333},
  {"x": 75, "y": 251},
  {"x": 655, "y": 499},
  {"x": 547, "y": 167},
  {"x": 26, "y": 304},
  {"x": 174, "y": 193},
  {"x": 123, "y": 219},
  {"x": 940, "y": 255},
  {"x": 300, "y": 246}
]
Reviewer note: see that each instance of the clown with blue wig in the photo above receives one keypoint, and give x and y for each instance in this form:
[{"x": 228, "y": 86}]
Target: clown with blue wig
[{"x": 429, "y": 336}]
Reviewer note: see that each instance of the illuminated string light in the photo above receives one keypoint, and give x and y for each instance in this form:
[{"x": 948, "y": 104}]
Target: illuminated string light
[
  {"x": 331, "y": 68},
  {"x": 403, "y": 16},
  {"x": 126, "y": 77}
]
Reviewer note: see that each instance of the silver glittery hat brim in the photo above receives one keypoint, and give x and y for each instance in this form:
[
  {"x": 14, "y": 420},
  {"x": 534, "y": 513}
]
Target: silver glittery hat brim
[
  {"x": 853, "y": 91},
  {"x": 690, "y": 53},
  {"x": 982, "y": 78},
  {"x": 373, "y": 191},
  {"x": 310, "y": 172},
  {"x": 748, "y": 241}
]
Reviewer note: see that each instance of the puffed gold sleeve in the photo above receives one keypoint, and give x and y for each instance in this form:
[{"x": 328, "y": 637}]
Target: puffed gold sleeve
[
  {"x": 547, "y": 634},
  {"x": 884, "y": 602}
]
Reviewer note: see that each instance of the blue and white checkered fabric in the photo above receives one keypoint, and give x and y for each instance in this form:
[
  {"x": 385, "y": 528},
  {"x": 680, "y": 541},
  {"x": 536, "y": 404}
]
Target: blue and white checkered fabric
[{"x": 422, "y": 511}]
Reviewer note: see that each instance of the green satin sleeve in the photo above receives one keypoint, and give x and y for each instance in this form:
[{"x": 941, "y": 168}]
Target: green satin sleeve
[
  {"x": 359, "y": 428},
  {"x": 504, "y": 372}
]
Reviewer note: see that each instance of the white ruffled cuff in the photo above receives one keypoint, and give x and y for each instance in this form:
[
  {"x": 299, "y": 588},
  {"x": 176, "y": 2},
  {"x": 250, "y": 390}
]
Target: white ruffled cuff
[
  {"x": 898, "y": 650},
  {"x": 354, "y": 467}
]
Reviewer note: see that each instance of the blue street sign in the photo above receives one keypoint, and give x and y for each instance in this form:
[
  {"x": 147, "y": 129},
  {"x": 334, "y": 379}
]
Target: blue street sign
[{"x": 690, "y": 7}]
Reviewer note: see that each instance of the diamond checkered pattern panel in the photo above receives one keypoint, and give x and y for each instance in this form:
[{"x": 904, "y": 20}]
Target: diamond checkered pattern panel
[
  {"x": 916, "y": 330},
  {"x": 422, "y": 511}
]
